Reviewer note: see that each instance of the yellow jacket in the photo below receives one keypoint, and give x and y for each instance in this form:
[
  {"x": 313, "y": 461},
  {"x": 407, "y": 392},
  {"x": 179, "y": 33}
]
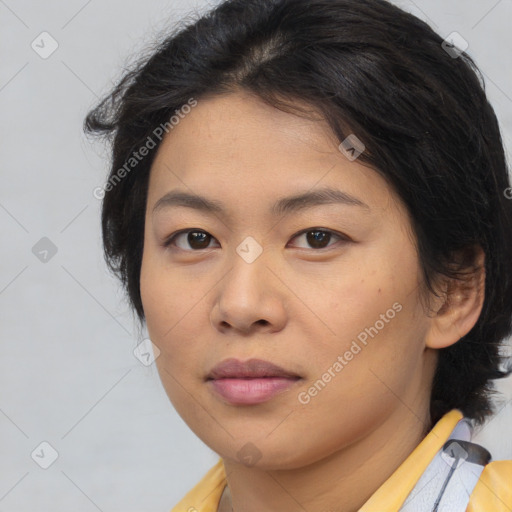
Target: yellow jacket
[{"x": 492, "y": 493}]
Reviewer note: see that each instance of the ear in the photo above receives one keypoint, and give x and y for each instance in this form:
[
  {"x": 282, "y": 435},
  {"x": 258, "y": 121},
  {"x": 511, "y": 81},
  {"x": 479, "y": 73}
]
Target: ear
[{"x": 459, "y": 308}]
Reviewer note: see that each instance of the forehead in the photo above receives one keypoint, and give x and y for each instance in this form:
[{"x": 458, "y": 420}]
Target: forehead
[
  {"x": 237, "y": 126},
  {"x": 242, "y": 151}
]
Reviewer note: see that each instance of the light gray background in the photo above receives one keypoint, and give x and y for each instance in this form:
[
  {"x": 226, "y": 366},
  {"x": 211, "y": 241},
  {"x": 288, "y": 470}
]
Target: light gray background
[{"x": 68, "y": 373}]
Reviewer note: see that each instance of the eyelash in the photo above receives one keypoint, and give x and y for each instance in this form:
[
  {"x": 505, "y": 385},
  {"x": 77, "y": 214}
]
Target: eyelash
[{"x": 171, "y": 239}]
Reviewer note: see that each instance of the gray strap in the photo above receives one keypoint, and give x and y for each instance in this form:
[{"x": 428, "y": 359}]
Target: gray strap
[{"x": 450, "y": 478}]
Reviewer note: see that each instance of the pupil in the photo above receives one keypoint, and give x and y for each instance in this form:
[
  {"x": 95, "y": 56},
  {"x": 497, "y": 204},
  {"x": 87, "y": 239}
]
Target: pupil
[
  {"x": 192, "y": 239},
  {"x": 318, "y": 237}
]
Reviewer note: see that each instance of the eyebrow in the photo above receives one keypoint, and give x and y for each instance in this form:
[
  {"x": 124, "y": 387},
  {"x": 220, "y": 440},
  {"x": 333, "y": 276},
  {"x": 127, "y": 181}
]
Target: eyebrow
[{"x": 282, "y": 206}]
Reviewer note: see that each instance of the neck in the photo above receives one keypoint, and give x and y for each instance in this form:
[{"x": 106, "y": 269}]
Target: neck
[{"x": 344, "y": 480}]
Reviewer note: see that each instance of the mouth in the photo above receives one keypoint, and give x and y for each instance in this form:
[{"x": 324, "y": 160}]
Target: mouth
[
  {"x": 251, "y": 382},
  {"x": 251, "y": 369}
]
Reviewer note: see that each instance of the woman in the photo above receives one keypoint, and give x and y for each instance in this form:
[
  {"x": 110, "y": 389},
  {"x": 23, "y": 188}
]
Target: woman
[{"x": 308, "y": 207}]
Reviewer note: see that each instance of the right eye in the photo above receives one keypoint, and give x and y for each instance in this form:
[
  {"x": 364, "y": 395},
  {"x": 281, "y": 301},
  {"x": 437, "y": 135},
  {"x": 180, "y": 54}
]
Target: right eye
[{"x": 196, "y": 239}]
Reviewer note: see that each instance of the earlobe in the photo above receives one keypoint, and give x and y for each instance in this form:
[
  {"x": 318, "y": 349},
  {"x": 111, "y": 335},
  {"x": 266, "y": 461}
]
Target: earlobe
[{"x": 460, "y": 307}]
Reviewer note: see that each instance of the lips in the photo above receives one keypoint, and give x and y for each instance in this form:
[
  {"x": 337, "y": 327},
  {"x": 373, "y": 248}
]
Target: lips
[
  {"x": 251, "y": 369},
  {"x": 249, "y": 383}
]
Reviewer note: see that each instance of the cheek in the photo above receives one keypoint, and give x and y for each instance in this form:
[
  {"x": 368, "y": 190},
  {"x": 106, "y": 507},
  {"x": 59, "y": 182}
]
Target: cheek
[
  {"x": 374, "y": 317},
  {"x": 167, "y": 297},
  {"x": 356, "y": 296},
  {"x": 175, "y": 310},
  {"x": 172, "y": 328}
]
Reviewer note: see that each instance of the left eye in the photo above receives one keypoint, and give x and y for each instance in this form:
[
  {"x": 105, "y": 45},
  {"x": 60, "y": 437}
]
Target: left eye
[
  {"x": 198, "y": 239},
  {"x": 318, "y": 238}
]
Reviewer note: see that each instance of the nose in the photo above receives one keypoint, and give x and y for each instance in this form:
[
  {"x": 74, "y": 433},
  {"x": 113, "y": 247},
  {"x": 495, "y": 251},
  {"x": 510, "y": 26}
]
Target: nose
[{"x": 249, "y": 298}]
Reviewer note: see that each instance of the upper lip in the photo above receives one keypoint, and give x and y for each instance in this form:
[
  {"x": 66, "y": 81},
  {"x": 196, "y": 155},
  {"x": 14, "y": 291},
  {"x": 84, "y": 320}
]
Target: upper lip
[{"x": 253, "y": 368}]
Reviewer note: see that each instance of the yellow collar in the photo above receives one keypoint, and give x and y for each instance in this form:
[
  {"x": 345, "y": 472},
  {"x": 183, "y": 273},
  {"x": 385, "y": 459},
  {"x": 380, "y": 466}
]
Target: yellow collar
[{"x": 391, "y": 495}]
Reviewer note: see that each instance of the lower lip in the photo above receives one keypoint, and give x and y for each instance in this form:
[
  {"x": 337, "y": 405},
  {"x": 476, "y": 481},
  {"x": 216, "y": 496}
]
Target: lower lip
[{"x": 251, "y": 391}]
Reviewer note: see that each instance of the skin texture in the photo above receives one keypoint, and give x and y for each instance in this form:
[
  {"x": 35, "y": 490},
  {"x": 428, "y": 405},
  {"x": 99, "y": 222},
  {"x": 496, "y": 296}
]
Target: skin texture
[{"x": 297, "y": 306}]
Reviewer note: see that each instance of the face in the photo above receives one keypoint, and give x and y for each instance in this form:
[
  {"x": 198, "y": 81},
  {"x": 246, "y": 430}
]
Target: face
[{"x": 327, "y": 290}]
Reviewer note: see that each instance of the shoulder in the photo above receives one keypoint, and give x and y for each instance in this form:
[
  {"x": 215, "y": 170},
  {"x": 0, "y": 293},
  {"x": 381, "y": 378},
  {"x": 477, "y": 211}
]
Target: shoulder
[
  {"x": 493, "y": 491},
  {"x": 205, "y": 495}
]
